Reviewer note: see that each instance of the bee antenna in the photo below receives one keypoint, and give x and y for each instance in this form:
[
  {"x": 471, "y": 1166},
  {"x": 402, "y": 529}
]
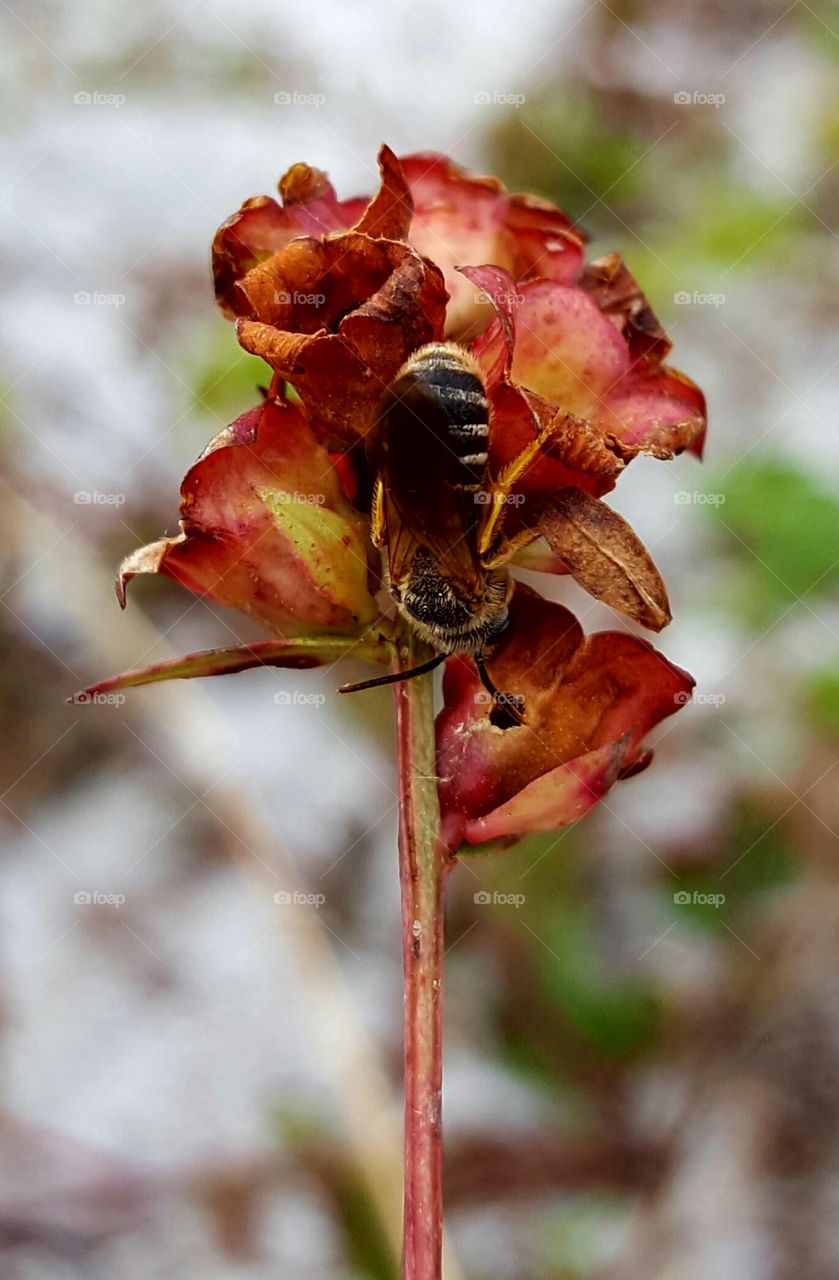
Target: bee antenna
[
  {"x": 508, "y": 704},
  {"x": 395, "y": 677}
]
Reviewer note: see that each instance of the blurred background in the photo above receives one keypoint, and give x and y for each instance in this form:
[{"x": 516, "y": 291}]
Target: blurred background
[{"x": 200, "y": 1068}]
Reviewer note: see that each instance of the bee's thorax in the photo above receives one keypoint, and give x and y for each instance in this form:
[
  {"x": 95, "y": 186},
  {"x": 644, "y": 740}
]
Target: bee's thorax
[{"x": 444, "y": 618}]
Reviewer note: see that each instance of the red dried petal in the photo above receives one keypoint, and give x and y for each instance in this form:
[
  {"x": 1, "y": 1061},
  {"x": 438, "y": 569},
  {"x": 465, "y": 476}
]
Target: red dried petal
[
  {"x": 581, "y": 695},
  {"x": 460, "y": 218},
  {"x": 267, "y": 529},
  {"x": 558, "y": 350},
  {"x": 565, "y": 348},
  {"x": 563, "y": 795},
  {"x": 660, "y": 412}
]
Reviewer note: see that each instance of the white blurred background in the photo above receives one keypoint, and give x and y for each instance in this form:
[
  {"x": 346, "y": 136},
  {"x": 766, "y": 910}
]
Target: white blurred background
[{"x": 199, "y": 1079}]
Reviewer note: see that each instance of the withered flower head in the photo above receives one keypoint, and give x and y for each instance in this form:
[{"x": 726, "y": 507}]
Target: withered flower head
[{"x": 336, "y": 296}]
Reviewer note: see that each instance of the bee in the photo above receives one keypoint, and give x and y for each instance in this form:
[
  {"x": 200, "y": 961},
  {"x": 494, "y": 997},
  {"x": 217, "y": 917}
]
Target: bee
[{"x": 432, "y": 505}]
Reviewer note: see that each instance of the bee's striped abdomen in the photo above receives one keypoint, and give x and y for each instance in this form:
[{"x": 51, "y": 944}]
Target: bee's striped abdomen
[{"x": 452, "y": 380}]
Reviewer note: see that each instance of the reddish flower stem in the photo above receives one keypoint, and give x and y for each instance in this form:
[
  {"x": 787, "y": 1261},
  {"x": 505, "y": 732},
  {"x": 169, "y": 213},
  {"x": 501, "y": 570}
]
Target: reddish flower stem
[{"x": 423, "y": 863}]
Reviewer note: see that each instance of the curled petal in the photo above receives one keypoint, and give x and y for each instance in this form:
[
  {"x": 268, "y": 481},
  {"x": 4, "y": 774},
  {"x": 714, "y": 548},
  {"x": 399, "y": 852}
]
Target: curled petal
[
  {"x": 337, "y": 319},
  {"x": 579, "y": 444},
  {"x": 309, "y": 208},
  {"x": 266, "y": 528},
  {"x": 617, "y": 293},
  {"x": 581, "y": 695},
  {"x": 605, "y": 556},
  {"x": 262, "y": 227},
  {"x": 312, "y": 283},
  {"x": 389, "y": 213},
  {"x": 298, "y": 654},
  {"x": 660, "y": 412},
  {"x": 493, "y": 349},
  {"x": 555, "y": 799}
]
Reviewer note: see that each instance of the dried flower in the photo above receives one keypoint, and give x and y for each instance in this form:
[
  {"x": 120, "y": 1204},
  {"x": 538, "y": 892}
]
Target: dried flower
[{"x": 335, "y": 296}]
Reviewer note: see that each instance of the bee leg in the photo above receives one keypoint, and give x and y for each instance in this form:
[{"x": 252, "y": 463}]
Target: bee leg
[
  {"x": 509, "y": 707},
  {"x": 395, "y": 677}
]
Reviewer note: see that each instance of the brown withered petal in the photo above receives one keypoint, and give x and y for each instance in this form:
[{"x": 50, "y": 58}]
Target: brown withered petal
[
  {"x": 262, "y": 227},
  {"x": 583, "y": 447},
  {"x": 617, "y": 293},
  {"x": 337, "y": 319},
  {"x": 391, "y": 210},
  {"x": 266, "y": 528},
  {"x": 310, "y": 208},
  {"x": 576, "y": 454},
  {"x": 605, "y": 556},
  {"x": 336, "y": 387}
]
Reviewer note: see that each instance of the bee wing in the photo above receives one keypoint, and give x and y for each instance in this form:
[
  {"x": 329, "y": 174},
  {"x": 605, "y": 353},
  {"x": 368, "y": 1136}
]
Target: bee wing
[
  {"x": 429, "y": 498},
  {"x": 449, "y": 541}
]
